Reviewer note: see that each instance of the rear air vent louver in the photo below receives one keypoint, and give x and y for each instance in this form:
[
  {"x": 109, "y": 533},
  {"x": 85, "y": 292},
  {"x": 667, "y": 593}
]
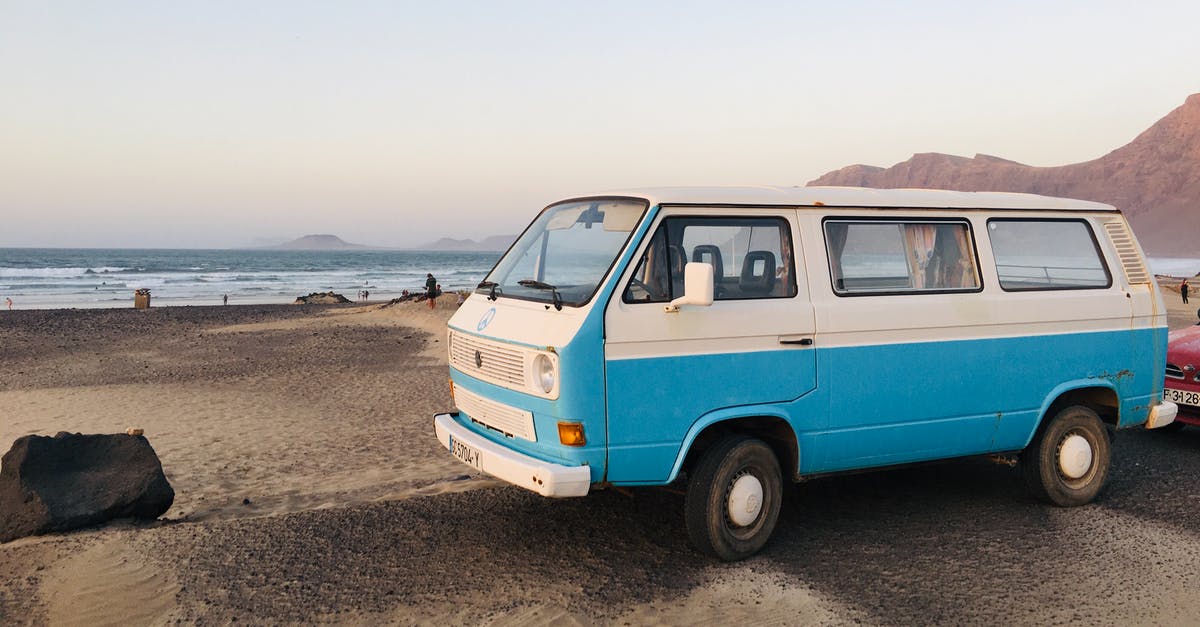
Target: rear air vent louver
[{"x": 1131, "y": 261}]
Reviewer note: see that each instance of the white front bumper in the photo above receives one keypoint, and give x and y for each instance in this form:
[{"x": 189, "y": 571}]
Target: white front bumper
[
  {"x": 527, "y": 472},
  {"x": 1162, "y": 415}
]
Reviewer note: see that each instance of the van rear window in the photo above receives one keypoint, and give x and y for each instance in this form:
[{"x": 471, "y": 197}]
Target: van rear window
[
  {"x": 900, "y": 257},
  {"x": 1047, "y": 255}
]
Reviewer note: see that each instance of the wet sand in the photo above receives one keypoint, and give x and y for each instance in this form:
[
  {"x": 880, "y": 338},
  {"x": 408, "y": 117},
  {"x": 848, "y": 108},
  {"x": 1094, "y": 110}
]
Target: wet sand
[{"x": 309, "y": 488}]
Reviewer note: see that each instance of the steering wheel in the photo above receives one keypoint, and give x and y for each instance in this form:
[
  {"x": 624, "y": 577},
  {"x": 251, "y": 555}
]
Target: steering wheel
[{"x": 640, "y": 284}]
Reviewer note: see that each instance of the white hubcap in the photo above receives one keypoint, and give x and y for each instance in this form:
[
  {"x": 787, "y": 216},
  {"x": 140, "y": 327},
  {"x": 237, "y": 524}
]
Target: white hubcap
[
  {"x": 745, "y": 500},
  {"x": 1075, "y": 456}
]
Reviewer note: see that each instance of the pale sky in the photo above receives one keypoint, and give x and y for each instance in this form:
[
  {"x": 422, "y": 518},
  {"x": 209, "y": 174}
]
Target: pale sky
[{"x": 212, "y": 123}]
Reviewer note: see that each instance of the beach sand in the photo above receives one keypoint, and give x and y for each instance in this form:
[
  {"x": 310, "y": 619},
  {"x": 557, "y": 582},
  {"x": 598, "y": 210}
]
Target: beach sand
[{"x": 310, "y": 488}]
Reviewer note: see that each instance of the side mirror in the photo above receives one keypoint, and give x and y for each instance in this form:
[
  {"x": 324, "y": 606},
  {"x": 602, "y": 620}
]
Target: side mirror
[{"x": 697, "y": 287}]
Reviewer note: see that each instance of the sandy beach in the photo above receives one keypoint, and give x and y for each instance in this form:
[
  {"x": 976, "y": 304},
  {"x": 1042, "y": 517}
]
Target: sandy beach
[{"x": 309, "y": 488}]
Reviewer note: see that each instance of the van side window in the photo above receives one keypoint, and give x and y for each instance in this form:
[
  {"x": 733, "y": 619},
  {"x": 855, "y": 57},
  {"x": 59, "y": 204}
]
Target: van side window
[
  {"x": 751, "y": 258},
  {"x": 1047, "y": 255},
  {"x": 900, "y": 257}
]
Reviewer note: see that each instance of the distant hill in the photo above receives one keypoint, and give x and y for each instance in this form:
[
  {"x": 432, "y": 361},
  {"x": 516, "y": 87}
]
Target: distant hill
[
  {"x": 318, "y": 242},
  {"x": 495, "y": 243},
  {"x": 1154, "y": 180}
]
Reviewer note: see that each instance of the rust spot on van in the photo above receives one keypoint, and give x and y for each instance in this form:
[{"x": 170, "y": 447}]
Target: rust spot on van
[
  {"x": 1121, "y": 374},
  {"x": 996, "y": 428}
]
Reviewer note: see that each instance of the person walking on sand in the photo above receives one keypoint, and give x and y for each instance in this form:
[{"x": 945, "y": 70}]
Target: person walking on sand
[
  {"x": 1183, "y": 290},
  {"x": 430, "y": 290}
]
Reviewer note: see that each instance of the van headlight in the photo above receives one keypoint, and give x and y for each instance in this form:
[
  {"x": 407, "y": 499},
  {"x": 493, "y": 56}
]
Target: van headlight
[{"x": 545, "y": 375}]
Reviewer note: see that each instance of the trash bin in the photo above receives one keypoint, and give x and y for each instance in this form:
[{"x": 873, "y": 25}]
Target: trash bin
[{"x": 141, "y": 299}]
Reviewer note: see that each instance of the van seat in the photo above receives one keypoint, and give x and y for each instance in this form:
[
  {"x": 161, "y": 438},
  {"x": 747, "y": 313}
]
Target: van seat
[{"x": 757, "y": 284}]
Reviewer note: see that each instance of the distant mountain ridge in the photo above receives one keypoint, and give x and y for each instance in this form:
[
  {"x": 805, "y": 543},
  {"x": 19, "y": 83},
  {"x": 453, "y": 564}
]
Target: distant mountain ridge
[
  {"x": 318, "y": 242},
  {"x": 1154, "y": 180},
  {"x": 495, "y": 243}
]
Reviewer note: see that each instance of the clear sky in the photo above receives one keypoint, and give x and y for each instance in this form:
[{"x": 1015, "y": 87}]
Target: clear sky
[{"x": 212, "y": 123}]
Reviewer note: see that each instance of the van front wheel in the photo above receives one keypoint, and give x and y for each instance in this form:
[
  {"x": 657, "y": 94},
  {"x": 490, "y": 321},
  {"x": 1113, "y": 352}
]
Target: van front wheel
[
  {"x": 733, "y": 498},
  {"x": 1067, "y": 461}
]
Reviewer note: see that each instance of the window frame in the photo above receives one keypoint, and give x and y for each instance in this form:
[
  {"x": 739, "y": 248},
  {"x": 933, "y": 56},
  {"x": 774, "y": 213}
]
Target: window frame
[
  {"x": 733, "y": 220},
  {"x": 607, "y": 272},
  {"x": 1087, "y": 225},
  {"x": 902, "y": 220}
]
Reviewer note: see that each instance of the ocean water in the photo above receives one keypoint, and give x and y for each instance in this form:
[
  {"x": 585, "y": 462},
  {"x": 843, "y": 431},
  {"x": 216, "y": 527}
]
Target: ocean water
[{"x": 40, "y": 278}]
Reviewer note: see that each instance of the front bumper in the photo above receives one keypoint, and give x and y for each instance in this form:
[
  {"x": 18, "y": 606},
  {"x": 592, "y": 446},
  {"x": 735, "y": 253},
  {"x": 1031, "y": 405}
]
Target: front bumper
[
  {"x": 1162, "y": 415},
  {"x": 545, "y": 478}
]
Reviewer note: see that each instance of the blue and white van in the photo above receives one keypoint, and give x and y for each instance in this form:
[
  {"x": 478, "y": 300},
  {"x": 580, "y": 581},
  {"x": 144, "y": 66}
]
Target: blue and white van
[{"x": 736, "y": 338}]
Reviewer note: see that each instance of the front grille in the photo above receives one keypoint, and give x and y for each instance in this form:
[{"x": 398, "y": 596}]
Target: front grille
[
  {"x": 1174, "y": 372},
  {"x": 508, "y": 420},
  {"x": 502, "y": 364}
]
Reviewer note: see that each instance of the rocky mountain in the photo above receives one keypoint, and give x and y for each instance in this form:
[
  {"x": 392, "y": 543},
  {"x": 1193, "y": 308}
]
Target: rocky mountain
[
  {"x": 318, "y": 242},
  {"x": 495, "y": 243},
  {"x": 1154, "y": 180}
]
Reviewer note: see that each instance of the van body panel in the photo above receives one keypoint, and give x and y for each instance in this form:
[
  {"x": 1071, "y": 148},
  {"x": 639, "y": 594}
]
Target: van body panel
[
  {"x": 663, "y": 371},
  {"x": 932, "y": 399},
  {"x": 518, "y": 322},
  {"x": 654, "y": 417}
]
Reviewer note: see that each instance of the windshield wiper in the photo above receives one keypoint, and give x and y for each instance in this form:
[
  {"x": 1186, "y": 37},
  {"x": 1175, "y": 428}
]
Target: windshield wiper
[
  {"x": 486, "y": 284},
  {"x": 538, "y": 285}
]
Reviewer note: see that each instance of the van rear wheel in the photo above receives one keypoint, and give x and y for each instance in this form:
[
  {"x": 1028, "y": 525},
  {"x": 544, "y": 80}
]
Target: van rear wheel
[
  {"x": 1067, "y": 461},
  {"x": 733, "y": 498}
]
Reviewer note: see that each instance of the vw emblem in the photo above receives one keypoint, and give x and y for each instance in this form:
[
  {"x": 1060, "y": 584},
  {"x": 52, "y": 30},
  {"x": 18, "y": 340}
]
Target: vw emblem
[
  {"x": 478, "y": 359},
  {"x": 486, "y": 319}
]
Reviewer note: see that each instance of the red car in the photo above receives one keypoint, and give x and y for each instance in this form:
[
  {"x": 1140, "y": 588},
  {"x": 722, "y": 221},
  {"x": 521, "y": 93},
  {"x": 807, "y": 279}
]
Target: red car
[{"x": 1182, "y": 385}]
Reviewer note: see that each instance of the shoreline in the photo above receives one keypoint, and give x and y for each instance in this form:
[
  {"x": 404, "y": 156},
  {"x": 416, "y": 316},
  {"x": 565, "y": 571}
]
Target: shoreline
[
  {"x": 1179, "y": 314},
  {"x": 158, "y": 302}
]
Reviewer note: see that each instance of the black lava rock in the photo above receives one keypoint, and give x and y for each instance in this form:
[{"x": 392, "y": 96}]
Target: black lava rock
[
  {"x": 321, "y": 298},
  {"x": 73, "y": 480}
]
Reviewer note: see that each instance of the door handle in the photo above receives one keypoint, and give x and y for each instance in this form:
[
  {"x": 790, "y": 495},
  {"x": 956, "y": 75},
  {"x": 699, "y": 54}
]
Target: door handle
[{"x": 801, "y": 341}]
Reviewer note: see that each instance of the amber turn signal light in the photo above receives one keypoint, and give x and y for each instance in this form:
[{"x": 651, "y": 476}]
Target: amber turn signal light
[
  {"x": 451, "y": 391},
  {"x": 571, "y": 434}
]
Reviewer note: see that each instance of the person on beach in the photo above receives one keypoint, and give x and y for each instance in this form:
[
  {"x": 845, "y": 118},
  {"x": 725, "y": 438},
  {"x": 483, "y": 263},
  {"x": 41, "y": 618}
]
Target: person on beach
[
  {"x": 9, "y": 301},
  {"x": 366, "y": 296},
  {"x": 431, "y": 286},
  {"x": 225, "y": 299},
  {"x": 1183, "y": 290}
]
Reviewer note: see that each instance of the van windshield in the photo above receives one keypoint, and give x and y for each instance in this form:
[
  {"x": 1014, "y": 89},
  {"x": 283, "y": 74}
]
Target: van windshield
[{"x": 562, "y": 257}]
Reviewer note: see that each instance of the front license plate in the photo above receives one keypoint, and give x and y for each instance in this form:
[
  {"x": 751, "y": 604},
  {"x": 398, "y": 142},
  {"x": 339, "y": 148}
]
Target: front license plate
[
  {"x": 466, "y": 453},
  {"x": 1182, "y": 397}
]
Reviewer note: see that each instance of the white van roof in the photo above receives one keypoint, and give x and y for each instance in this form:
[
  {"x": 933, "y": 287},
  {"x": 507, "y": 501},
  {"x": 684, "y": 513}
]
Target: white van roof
[{"x": 853, "y": 197}]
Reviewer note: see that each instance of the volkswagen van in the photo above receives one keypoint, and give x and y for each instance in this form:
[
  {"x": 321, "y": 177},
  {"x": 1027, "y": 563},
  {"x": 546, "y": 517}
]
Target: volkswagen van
[{"x": 733, "y": 339}]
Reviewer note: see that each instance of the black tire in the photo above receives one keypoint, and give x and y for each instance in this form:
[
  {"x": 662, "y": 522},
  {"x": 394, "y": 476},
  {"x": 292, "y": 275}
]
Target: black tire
[
  {"x": 710, "y": 526},
  {"x": 1046, "y": 470}
]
